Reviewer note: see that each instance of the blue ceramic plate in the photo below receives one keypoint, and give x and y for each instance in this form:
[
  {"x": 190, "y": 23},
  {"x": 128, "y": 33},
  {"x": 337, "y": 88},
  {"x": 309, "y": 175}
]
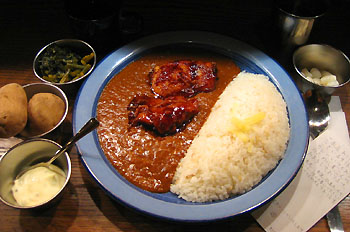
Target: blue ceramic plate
[{"x": 168, "y": 205}]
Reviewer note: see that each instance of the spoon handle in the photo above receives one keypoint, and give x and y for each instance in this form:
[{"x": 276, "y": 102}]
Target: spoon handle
[{"x": 87, "y": 128}]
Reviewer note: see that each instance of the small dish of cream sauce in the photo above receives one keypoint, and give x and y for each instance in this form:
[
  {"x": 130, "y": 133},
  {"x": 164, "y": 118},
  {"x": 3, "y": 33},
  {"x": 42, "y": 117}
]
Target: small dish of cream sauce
[{"x": 38, "y": 185}]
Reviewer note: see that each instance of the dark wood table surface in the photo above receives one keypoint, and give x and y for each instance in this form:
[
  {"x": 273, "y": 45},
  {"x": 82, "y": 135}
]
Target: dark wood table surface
[{"x": 26, "y": 26}]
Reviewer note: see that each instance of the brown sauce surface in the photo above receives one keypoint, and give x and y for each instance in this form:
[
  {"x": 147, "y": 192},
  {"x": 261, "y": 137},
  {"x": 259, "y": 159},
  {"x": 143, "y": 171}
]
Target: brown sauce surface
[{"x": 145, "y": 159}]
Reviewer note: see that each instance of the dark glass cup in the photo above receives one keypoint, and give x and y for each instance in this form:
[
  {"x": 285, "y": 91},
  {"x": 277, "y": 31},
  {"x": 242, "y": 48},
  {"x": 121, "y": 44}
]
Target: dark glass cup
[{"x": 96, "y": 22}]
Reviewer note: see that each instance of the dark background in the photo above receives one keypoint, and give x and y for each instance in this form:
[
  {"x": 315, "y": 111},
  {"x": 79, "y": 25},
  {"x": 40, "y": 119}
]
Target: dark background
[{"x": 43, "y": 21}]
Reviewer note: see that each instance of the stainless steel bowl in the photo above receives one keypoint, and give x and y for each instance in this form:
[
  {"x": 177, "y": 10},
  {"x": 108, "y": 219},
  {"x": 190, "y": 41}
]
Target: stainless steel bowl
[
  {"x": 323, "y": 57},
  {"x": 31, "y": 90},
  {"x": 23, "y": 155},
  {"x": 75, "y": 45}
]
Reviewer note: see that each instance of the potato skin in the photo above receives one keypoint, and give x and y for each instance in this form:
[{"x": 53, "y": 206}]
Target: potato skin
[
  {"x": 45, "y": 110},
  {"x": 13, "y": 110}
]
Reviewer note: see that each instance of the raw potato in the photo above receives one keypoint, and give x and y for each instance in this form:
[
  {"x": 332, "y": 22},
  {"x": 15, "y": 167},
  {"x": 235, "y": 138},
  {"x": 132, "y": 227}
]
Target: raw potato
[
  {"x": 13, "y": 110},
  {"x": 45, "y": 110}
]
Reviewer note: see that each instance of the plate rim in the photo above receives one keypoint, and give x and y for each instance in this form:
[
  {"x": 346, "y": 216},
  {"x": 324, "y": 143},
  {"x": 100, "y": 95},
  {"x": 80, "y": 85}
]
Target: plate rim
[{"x": 192, "y": 213}]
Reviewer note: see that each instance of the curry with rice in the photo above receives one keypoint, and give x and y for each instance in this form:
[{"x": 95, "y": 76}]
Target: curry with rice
[{"x": 143, "y": 156}]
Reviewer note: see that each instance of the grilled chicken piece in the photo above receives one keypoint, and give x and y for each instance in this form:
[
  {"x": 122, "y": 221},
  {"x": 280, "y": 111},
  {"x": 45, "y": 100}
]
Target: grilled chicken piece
[
  {"x": 186, "y": 78},
  {"x": 165, "y": 116}
]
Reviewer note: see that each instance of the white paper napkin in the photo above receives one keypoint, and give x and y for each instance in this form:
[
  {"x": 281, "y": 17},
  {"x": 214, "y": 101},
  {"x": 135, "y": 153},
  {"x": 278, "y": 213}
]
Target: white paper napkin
[
  {"x": 6, "y": 144},
  {"x": 322, "y": 182}
]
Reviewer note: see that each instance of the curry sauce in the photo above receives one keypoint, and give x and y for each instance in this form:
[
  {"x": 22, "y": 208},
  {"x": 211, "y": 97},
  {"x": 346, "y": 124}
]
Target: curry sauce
[{"x": 143, "y": 157}]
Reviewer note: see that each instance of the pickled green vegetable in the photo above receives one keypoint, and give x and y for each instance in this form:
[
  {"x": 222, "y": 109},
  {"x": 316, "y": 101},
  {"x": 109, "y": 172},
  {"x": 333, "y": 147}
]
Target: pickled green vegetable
[{"x": 61, "y": 65}]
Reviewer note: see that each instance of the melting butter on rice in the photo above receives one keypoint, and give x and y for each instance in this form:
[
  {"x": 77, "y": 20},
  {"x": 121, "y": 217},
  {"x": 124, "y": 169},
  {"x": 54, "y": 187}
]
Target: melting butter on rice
[{"x": 244, "y": 137}]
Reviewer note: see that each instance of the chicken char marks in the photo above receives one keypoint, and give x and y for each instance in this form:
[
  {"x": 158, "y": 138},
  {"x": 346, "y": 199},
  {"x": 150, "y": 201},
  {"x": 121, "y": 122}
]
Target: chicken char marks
[
  {"x": 174, "y": 84},
  {"x": 165, "y": 116},
  {"x": 185, "y": 78}
]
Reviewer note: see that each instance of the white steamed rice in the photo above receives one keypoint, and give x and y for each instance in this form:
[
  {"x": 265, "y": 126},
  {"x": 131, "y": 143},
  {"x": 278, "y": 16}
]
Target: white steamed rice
[{"x": 243, "y": 138}]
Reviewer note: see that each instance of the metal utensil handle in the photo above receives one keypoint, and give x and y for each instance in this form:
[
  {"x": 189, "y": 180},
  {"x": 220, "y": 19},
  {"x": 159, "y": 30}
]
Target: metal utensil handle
[
  {"x": 334, "y": 220},
  {"x": 87, "y": 128}
]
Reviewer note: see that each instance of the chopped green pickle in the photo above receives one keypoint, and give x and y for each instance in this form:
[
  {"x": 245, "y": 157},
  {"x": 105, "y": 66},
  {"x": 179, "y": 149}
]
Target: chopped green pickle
[{"x": 61, "y": 65}]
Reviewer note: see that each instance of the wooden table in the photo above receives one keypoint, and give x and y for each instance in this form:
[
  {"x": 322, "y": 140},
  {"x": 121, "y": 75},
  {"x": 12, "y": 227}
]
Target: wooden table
[{"x": 26, "y": 27}]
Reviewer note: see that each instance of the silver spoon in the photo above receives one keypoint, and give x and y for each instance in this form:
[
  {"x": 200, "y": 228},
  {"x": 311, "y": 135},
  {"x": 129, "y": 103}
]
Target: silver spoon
[
  {"x": 87, "y": 128},
  {"x": 319, "y": 117},
  {"x": 318, "y": 112}
]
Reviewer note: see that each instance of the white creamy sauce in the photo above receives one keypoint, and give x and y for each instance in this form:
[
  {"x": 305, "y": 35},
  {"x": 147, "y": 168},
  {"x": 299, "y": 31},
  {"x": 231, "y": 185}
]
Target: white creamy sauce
[{"x": 38, "y": 185}]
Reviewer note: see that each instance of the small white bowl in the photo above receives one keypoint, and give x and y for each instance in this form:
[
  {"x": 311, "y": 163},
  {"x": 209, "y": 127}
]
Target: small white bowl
[{"x": 23, "y": 155}]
